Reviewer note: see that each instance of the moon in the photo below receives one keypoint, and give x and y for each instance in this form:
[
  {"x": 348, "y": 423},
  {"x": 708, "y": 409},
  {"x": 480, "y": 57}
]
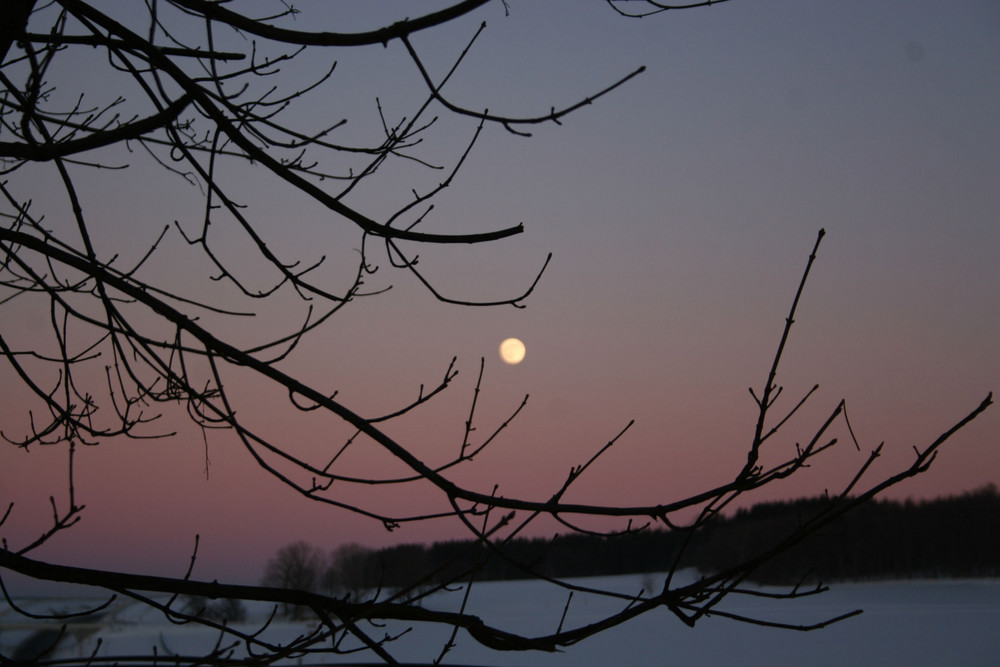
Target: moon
[{"x": 512, "y": 351}]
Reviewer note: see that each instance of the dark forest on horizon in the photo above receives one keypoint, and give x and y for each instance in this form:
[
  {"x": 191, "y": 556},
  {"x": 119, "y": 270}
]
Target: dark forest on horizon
[{"x": 955, "y": 537}]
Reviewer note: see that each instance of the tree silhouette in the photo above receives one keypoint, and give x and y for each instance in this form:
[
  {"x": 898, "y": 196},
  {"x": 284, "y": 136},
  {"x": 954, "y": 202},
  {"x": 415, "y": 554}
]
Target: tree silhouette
[
  {"x": 350, "y": 571},
  {"x": 296, "y": 566},
  {"x": 116, "y": 348}
]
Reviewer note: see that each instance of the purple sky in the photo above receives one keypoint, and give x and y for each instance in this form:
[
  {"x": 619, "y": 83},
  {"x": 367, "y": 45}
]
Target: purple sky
[{"x": 679, "y": 210}]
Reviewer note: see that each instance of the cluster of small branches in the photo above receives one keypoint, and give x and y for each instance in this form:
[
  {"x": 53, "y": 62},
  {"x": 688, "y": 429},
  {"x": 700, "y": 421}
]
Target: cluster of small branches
[{"x": 202, "y": 95}]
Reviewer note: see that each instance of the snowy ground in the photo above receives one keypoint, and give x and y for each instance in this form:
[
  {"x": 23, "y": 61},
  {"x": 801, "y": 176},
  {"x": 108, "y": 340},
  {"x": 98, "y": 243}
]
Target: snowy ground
[{"x": 905, "y": 623}]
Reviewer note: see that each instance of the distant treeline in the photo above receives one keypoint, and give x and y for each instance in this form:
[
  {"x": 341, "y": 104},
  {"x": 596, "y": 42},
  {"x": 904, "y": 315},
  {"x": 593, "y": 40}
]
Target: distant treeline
[
  {"x": 957, "y": 536},
  {"x": 950, "y": 537}
]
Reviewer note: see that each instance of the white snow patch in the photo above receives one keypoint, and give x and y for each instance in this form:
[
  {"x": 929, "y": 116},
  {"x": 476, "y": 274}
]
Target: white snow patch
[{"x": 905, "y": 622}]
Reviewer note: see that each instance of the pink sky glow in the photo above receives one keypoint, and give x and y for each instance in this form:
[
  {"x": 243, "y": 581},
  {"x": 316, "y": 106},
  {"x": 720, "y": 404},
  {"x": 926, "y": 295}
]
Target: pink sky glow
[{"x": 680, "y": 212}]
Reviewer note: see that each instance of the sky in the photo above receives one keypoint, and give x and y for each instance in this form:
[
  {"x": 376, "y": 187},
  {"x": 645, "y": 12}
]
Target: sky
[{"x": 679, "y": 210}]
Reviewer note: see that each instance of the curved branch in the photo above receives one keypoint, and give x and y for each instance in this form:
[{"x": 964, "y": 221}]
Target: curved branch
[
  {"x": 100, "y": 139},
  {"x": 218, "y": 12}
]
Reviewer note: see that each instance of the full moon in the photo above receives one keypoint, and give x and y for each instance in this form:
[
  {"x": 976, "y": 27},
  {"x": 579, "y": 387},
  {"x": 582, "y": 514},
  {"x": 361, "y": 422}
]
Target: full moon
[{"x": 512, "y": 351}]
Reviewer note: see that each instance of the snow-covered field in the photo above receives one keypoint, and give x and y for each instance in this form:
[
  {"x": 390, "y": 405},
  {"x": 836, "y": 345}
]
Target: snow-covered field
[{"x": 937, "y": 622}]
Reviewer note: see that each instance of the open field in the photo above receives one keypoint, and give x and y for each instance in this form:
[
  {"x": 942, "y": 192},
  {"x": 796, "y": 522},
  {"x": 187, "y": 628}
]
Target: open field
[{"x": 922, "y": 622}]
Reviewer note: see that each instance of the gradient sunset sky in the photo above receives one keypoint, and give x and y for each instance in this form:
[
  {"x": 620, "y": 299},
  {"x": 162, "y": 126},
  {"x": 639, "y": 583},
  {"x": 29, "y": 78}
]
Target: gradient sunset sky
[{"x": 680, "y": 211}]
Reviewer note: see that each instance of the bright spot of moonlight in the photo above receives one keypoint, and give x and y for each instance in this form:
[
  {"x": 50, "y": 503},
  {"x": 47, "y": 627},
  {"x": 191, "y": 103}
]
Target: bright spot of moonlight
[{"x": 512, "y": 351}]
